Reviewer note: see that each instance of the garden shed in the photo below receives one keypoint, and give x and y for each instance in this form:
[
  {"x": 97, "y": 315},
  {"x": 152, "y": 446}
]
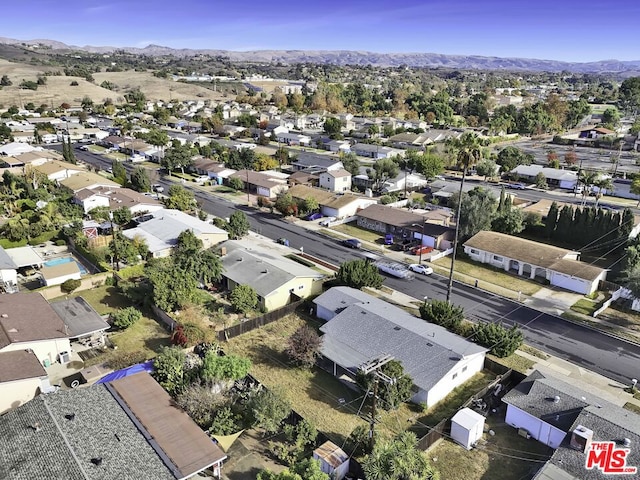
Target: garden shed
[
  {"x": 467, "y": 427},
  {"x": 333, "y": 460}
]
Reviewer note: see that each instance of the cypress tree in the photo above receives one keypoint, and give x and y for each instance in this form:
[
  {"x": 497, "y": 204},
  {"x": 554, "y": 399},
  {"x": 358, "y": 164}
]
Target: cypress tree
[
  {"x": 551, "y": 220},
  {"x": 65, "y": 151},
  {"x": 72, "y": 156},
  {"x": 565, "y": 222},
  {"x": 627, "y": 223}
]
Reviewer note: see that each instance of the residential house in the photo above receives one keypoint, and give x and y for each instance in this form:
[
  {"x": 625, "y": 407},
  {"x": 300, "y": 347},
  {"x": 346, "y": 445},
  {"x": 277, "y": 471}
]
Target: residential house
[
  {"x": 303, "y": 178},
  {"x": 60, "y": 273},
  {"x": 404, "y": 182},
  {"x": 23, "y": 137},
  {"x": 25, "y": 257},
  {"x": 360, "y": 332},
  {"x": 87, "y": 180},
  {"x": 27, "y": 322},
  {"x": 276, "y": 279},
  {"x": 15, "y": 148},
  {"x": 375, "y": 151},
  {"x": 115, "y": 198},
  {"x": 219, "y": 173},
  {"x": 406, "y": 225},
  {"x": 595, "y": 133},
  {"x": 113, "y": 141},
  {"x": 347, "y": 121},
  {"x": 337, "y": 146},
  {"x": 160, "y": 231},
  {"x": 22, "y": 377},
  {"x": 315, "y": 163},
  {"x": 335, "y": 180},
  {"x": 332, "y": 204},
  {"x": 534, "y": 260},
  {"x": 566, "y": 179},
  {"x": 293, "y": 139},
  {"x": 569, "y": 416},
  {"x": 410, "y": 140},
  {"x": 262, "y": 183},
  {"x": 81, "y": 320},
  {"x": 56, "y": 170},
  {"x": 126, "y": 428}
]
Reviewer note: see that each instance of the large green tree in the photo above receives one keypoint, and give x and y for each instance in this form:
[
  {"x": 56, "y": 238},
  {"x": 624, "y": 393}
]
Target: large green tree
[
  {"x": 179, "y": 198},
  {"x": 177, "y": 156},
  {"x": 238, "y": 225},
  {"x": 243, "y": 298},
  {"x": 390, "y": 394},
  {"x": 358, "y": 274},
  {"x": 140, "y": 180}
]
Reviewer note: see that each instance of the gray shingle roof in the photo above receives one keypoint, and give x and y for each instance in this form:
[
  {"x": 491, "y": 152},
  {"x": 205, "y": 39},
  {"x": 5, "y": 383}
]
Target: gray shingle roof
[
  {"x": 337, "y": 299},
  {"x": 6, "y": 262},
  {"x": 367, "y": 330},
  {"x": 261, "y": 268},
  {"x": 62, "y": 448}
]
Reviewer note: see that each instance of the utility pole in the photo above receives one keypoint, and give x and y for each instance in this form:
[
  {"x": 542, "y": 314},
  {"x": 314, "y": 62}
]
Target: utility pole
[
  {"x": 373, "y": 367},
  {"x": 455, "y": 242}
]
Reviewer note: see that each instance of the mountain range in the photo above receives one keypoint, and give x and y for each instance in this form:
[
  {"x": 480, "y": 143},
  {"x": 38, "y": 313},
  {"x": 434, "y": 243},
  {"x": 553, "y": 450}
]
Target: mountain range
[{"x": 349, "y": 57}]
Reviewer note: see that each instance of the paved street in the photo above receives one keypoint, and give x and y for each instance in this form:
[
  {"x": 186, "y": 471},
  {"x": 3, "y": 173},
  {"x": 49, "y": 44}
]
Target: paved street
[{"x": 608, "y": 356}]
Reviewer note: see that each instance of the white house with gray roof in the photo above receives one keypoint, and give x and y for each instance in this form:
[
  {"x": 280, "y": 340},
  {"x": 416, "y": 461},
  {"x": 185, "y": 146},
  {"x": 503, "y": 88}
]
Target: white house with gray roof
[
  {"x": 555, "y": 412},
  {"x": 566, "y": 179},
  {"x": 361, "y": 328},
  {"x": 160, "y": 230},
  {"x": 276, "y": 279}
]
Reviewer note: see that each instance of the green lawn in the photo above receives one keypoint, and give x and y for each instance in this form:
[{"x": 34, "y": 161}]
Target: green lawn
[
  {"x": 632, "y": 407},
  {"x": 489, "y": 276},
  {"x": 352, "y": 230},
  {"x": 585, "y": 306},
  {"x": 515, "y": 362}
]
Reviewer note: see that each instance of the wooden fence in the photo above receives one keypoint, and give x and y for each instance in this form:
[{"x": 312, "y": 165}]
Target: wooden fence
[
  {"x": 507, "y": 379},
  {"x": 257, "y": 322}
]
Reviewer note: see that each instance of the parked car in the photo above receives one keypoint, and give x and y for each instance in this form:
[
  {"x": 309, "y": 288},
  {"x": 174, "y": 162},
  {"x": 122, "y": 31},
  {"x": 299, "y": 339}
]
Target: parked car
[
  {"x": 421, "y": 250},
  {"x": 517, "y": 186},
  {"x": 352, "y": 243},
  {"x": 327, "y": 221},
  {"x": 421, "y": 269},
  {"x": 157, "y": 188},
  {"x": 388, "y": 239},
  {"x": 313, "y": 216},
  {"x": 283, "y": 241}
]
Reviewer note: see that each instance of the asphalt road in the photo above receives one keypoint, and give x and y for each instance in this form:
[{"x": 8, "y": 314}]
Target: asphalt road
[{"x": 608, "y": 356}]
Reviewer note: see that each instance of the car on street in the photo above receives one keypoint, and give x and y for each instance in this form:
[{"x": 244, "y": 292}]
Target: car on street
[
  {"x": 352, "y": 243},
  {"x": 157, "y": 188},
  {"x": 421, "y": 269},
  {"x": 517, "y": 186},
  {"x": 313, "y": 216},
  {"x": 283, "y": 241}
]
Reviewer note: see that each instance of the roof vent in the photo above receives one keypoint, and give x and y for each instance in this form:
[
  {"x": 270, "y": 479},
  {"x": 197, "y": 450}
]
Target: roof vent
[
  {"x": 429, "y": 344},
  {"x": 35, "y": 426},
  {"x": 556, "y": 399},
  {"x": 70, "y": 416},
  {"x": 265, "y": 271},
  {"x": 4, "y": 315},
  {"x": 626, "y": 442},
  {"x": 96, "y": 461},
  {"x": 396, "y": 328}
]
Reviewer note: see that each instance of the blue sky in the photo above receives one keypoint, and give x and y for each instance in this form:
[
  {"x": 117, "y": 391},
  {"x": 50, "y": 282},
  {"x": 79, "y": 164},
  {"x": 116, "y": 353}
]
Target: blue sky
[{"x": 570, "y": 30}]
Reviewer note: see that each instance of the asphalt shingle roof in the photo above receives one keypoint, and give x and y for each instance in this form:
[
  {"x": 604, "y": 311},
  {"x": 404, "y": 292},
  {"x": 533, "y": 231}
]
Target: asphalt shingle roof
[
  {"x": 368, "y": 330},
  {"x": 79, "y": 317}
]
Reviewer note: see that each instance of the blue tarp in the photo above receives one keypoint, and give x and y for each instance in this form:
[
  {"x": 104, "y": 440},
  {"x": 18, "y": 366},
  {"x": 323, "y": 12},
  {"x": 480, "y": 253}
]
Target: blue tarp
[{"x": 125, "y": 372}]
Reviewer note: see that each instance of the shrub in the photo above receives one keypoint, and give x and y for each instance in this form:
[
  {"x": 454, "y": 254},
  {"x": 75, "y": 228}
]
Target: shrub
[
  {"x": 60, "y": 243},
  {"x": 500, "y": 341},
  {"x": 74, "y": 83},
  {"x": 442, "y": 313},
  {"x": 304, "y": 346},
  {"x": 188, "y": 334},
  {"x": 126, "y": 317},
  {"x": 70, "y": 285},
  {"x": 243, "y": 298}
]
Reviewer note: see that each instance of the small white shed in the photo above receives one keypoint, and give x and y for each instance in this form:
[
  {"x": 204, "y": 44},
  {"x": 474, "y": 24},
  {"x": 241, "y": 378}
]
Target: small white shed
[
  {"x": 333, "y": 460},
  {"x": 467, "y": 427}
]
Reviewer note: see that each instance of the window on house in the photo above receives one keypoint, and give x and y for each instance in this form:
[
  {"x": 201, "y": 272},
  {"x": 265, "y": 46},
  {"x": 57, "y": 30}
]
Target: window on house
[
  {"x": 473, "y": 251},
  {"x": 497, "y": 258},
  {"x": 464, "y": 369},
  {"x": 454, "y": 376}
]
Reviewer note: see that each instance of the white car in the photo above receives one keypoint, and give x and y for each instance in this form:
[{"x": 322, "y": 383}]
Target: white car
[
  {"x": 421, "y": 269},
  {"x": 325, "y": 222}
]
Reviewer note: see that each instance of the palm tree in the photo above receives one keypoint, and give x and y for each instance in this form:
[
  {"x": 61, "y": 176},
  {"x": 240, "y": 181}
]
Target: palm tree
[
  {"x": 468, "y": 149},
  {"x": 586, "y": 179},
  {"x": 602, "y": 183}
]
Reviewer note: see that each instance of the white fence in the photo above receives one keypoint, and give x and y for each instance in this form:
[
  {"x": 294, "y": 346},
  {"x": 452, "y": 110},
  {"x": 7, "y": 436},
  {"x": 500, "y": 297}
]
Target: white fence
[{"x": 442, "y": 254}]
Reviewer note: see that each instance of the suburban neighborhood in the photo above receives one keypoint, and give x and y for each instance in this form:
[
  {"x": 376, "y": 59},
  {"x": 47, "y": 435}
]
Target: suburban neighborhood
[{"x": 287, "y": 272}]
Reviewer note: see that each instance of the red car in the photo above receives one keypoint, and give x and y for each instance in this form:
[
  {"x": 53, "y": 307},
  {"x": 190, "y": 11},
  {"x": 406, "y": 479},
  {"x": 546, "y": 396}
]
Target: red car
[{"x": 421, "y": 250}]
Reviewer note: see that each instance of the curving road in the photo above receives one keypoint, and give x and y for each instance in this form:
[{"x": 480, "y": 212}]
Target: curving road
[{"x": 608, "y": 356}]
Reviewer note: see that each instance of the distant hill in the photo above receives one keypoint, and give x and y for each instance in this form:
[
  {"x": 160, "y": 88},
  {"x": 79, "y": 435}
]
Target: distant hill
[{"x": 346, "y": 57}]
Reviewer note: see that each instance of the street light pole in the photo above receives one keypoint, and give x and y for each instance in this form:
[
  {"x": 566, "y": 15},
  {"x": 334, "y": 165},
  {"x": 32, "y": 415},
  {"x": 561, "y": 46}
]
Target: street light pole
[{"x": 424, "y": 224}]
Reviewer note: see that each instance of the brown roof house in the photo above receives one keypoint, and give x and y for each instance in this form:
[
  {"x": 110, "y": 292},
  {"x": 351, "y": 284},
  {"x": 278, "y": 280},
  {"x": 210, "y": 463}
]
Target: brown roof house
[
  {"x": 22, "y": 377},
  {"x": 339, "y": 205},
  {"x": 128, "y": 428},
  {"x": 535, "y": 260},
  {"x": 262, "y": 183},
  {"x": 115, "y": 198},
  {"x": 27, "y": 322},
  {"x": 403, "y": 225}
]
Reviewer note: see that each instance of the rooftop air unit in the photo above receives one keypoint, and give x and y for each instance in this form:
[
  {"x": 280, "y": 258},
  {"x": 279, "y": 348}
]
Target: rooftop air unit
[{"x": 581, "y": 438}]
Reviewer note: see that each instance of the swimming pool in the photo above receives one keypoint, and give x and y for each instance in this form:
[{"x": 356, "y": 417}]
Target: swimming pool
[{"x": 60, "y": 261}]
